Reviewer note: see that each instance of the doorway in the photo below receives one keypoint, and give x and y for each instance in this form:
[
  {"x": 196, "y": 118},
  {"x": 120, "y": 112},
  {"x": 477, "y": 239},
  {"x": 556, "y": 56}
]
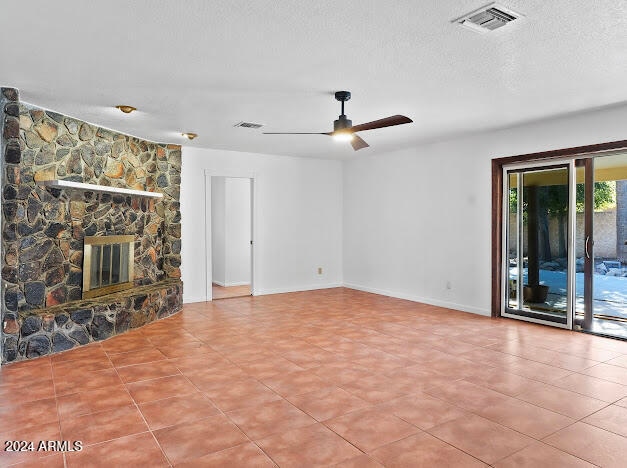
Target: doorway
[
  {"x": 230, "y": 267},
  {"x": 561, "y": 235}
]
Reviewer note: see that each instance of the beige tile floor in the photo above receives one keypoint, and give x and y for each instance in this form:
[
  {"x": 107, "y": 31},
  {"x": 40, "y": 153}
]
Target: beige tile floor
[{"x": 325, "y": 378}]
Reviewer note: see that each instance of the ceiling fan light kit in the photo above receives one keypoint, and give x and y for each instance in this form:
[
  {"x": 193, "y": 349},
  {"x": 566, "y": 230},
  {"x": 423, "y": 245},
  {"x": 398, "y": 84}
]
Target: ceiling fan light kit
[
  {"x": 343, "y": 136},
  {"x": 344, "y": 130}
]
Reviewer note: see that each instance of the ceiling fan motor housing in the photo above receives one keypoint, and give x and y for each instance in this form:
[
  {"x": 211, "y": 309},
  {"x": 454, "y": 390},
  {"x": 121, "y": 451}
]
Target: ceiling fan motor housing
[
  {"x": 341, "y": 123},
  {"x": 342, "y": 96}
]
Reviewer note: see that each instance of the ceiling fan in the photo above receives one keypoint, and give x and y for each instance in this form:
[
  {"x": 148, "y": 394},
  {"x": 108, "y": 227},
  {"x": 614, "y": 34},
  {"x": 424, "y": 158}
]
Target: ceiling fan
[{"x": 344, "y": 130}]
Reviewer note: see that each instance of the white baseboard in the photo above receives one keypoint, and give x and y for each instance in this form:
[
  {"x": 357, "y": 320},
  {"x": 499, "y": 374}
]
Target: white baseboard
[
  {"x": 424, "y": 300},
  {"x": 226, "y": 285},
  {"x": 309, "y": 287},
  {"x": 241, "y": 283},
  {"x": 382, "y": 292},
  {"x": 264, "y": 292},
  {"x": 190, "y": 300}
]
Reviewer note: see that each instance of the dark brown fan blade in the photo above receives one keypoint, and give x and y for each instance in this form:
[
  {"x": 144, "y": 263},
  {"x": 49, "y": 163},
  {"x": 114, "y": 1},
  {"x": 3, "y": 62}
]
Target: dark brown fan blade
[
  {"x": 386, "y": 122},
  {"x": 297, "y": 133},
  {"x": 358, "y": 143}
]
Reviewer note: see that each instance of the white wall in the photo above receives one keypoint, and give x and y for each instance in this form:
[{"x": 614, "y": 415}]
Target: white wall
[
  {"x": 417, "y": 219},
  {"x": 297, "y": 212},
  {"x": 237, "y": 248},
  {"x": 218, "y": 230}
]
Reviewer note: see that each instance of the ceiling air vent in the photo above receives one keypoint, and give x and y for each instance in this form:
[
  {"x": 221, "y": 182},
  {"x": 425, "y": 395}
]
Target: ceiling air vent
[
  {"x": 248, "y": 125},
  {"x": 488, "y": 18}
]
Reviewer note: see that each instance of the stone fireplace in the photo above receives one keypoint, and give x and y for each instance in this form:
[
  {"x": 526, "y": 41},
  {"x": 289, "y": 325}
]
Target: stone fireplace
[{"x": 66, "y": 185}]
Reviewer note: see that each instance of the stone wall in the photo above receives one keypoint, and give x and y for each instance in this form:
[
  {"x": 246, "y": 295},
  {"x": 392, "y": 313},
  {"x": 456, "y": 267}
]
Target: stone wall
[
  {"x": 43, "y": 229},
  {"x": 11, "y": 157}
]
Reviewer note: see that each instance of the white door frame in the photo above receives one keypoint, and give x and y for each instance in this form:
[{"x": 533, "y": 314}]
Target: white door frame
[{"x": 209, "y": 173}]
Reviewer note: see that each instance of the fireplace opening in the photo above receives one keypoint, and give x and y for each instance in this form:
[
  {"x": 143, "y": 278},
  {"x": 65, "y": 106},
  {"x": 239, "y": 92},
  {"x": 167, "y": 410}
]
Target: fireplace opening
[{"x": 108, "y": 264}]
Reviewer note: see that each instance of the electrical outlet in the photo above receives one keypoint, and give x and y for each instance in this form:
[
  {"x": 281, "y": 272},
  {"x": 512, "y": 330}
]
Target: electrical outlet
[{"x": 319, "y": 270}]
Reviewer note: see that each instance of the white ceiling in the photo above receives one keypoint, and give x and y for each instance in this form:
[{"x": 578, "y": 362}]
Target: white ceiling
[{"x": 202, "y": 66}]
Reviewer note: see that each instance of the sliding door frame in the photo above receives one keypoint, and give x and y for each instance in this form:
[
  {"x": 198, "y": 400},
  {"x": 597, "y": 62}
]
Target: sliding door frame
[
  {"x": 497, "y": 202},
  {"x": 588, "y": 167},
  {"x": 534, "y": 316}
]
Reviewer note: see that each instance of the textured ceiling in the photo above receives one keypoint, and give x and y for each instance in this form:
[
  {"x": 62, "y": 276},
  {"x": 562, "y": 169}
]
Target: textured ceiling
[{"x": 202, "y": 66}]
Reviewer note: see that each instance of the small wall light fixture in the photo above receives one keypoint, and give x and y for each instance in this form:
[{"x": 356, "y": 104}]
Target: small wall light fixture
[
  {"x": 126, "y": 109},
  {"x": 189, "y": 135}
]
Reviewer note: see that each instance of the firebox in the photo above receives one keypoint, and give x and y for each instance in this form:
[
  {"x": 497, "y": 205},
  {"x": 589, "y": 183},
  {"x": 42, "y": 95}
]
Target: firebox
[{"x": 108, "y": 264}]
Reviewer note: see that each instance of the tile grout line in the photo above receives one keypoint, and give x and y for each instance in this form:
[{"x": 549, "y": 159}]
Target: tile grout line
[
  {"x": 443, "y": 441},
  {"x": 261, "y": 383},
  {"x": 219, "y": 411},
  {"x": 575, "y": 420},
  {"x": 56, "y": 402},
  {"x": 143, "y": 417}
]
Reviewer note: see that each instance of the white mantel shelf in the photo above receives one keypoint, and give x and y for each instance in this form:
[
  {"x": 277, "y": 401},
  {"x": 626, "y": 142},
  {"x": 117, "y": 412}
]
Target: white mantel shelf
[{"x": 68, "y": 184}]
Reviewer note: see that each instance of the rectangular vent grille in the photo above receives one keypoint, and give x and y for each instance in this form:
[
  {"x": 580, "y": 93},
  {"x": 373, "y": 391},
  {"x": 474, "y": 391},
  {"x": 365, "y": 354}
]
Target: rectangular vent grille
[
  {"x": 491, "y": 19},
  {"x": 488, "y": 18},
  {"x": 248, "y": 125}
]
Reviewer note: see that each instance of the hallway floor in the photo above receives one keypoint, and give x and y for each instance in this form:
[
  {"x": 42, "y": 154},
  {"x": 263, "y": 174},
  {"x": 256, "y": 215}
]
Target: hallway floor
[
  {"x": 334, "y": 377},
  {"x": 227, "y": 292}
]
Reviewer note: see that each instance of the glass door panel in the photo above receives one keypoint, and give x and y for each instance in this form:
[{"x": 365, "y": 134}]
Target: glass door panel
[
  {"x": 538, "y": 229},
  {"x": 607, "y": 275}
]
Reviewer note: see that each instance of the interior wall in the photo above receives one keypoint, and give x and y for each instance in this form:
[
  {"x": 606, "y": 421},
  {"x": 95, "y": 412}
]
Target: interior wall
[
  {"x": 218, "y": 230},
  {"x": 417, "y": 222},
  {"x": 237, "y": 250},
  {"x": 297, "y": 212}
]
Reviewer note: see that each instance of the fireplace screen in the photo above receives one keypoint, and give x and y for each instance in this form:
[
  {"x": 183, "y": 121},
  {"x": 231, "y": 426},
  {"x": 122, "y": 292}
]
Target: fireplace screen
[{"x": 108, "y": 264}]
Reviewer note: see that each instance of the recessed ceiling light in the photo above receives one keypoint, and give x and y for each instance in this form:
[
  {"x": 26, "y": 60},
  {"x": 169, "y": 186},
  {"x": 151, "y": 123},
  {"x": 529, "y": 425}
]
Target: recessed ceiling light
[
  {"x": 126, "y": 109},
  {"x": 191, "y": 136}
]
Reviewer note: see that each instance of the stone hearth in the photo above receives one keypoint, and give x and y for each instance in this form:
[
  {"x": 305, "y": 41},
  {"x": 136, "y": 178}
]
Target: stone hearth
[
  {"x": 76, "y": 323},
  {"x": 43, "y": 229}
]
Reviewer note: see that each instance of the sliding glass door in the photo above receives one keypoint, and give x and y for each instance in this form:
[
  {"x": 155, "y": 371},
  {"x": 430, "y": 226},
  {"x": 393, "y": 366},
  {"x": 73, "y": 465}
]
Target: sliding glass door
[
  {"x": 564, "y": 257},
  {"x": 601, "y": 243},
  {"x": 538, "y": 228}
]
